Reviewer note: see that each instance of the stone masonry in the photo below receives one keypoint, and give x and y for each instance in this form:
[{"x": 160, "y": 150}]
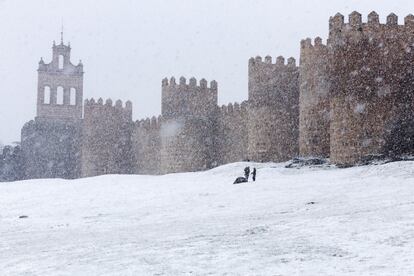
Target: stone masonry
[{"x": 349, "y": 99}]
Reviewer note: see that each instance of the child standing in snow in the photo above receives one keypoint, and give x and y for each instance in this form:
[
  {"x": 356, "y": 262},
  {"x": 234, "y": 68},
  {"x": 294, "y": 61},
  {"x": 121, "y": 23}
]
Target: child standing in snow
[{"x": 254, "y": 174}]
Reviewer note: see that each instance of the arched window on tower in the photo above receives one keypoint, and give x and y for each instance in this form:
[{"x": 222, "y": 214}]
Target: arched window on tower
[
  {"x": 46, "y": 95},
  {"x": 72, "y": 96},
  {"x": 61, "y": 59},
  {"x": 59, "y": 95}
]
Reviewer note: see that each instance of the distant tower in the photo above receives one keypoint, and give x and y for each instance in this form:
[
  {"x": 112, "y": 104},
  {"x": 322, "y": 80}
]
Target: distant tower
[{"x": 60, "y": 86}]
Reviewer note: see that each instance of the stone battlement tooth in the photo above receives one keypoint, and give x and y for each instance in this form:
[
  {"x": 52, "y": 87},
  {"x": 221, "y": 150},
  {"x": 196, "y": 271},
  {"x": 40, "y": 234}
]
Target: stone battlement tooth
[
  {"x": 213, "y": 85},
  {"x": 154, "y": 122},
  {"x": 236, "y": 107},
  {"x": 318, "y": 41},
  {"x": 355, "y": 19},
  {"x": 118, "y": 104},
  {"x": 244, "y": 105},
  {"x": 373, "y": 18},
  {"x": 291, "y": 62},
  {"x": 203, "y": 83},
  {"x": 280, "y": 60},
  {"x": 128, "y": 105},
  {"x": 336, "y": 22},
  {"x": 193, "y": 82},
  {"x": 409, "y": 21},
  {"x": 392, "y": 19}
]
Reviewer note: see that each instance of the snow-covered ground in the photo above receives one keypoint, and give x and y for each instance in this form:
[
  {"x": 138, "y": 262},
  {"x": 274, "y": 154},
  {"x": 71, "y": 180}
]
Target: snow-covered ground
[{"x": 361, "y": 223}]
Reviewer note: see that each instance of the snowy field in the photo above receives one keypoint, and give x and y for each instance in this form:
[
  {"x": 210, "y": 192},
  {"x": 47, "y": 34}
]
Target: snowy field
[{"x": 361, "y": 222}]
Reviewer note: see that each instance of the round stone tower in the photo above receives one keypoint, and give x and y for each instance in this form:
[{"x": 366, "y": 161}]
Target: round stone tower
[
  {"x": 372, "y": 87},
  {"x": 314, "y": 119},
  {"x": 273, "y": 109},
  {"x": 188, "y": 126}
]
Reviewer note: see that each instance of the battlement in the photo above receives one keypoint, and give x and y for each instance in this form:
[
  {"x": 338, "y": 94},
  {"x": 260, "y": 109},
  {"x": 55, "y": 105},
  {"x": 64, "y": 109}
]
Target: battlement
[
  {"x": 233, "y": 109},
  {"x": 108, "y": 108},
  {"x": 307, "y": 43},
  {"x": 108, "y": 103},
  {"x": 312, "y": 53},
  {"x": 188, "y": 99},
  {"x": 192, "y": 83},
  {"x": 269, "y": 82},
  {"x": 280, "y": 61},
  {"x": 149, "y": 123},
  {"x": 355, "y": 25},
  {"x": 355, "y": 20}
]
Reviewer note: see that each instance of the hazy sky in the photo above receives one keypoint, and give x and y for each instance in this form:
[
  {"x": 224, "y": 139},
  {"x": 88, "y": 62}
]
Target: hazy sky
[{"x": 128, "y": 46}]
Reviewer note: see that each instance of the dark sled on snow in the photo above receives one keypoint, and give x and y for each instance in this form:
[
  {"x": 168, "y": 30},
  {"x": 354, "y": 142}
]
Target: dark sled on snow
[{"x": 239, "y": 180}]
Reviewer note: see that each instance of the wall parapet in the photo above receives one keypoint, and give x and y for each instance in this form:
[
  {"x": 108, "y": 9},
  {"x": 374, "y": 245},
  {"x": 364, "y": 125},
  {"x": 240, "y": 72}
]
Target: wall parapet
[
  {"x": 149, "y": 123},
  {"x": 191, "y": 83},
  {"x": 279, "y": 61},
  {"x": 355, "y": 28},
  {"x": 233, "y": 109}
]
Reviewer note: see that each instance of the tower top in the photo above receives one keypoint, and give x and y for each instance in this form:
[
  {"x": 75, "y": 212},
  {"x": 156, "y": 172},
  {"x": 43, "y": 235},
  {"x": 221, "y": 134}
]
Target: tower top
[
  {"x": 61, "y": 35},
  {"x": 60, "y": 86}
]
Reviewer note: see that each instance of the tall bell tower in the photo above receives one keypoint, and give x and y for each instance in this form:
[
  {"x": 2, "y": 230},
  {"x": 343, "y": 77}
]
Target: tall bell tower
[
  {"x": 51, "y": 142},
  {"x": 60, "y": 86}
]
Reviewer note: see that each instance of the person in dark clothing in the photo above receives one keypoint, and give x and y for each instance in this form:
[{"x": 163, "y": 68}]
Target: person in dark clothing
[
  {"x": 247, "y": 173},
  {"x": 254, "y": 174}
]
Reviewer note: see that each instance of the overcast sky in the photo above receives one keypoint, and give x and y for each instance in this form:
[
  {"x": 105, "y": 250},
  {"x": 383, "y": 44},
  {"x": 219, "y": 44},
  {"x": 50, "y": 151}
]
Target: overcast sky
[{"x": 128, "y": 46}]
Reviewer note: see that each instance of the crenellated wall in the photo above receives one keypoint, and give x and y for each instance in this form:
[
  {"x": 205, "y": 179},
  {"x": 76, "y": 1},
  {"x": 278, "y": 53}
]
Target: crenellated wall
[
  {"x": 349, "y": 99},
  {"x": 146, "y": 146},
  {"x": 273, "y": 109},
  {"x": 314, "y": 100},
  {"x": 232, "y": 133},
  {"x": 188, "y": 99},
  {"x": 107, "y": 132},
  {"x": 372, "y": 87}
]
